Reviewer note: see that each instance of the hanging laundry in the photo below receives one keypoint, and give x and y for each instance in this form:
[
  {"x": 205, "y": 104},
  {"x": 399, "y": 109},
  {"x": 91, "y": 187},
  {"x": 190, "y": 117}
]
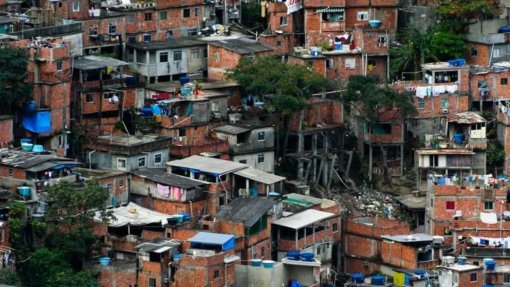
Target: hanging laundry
[
  {"x": 163, "y": 190},
  {"x": 429, "y": 91},
  {"x": 451, "y": 88},
  {"x": 438, "y": 90},
  {"x": 421, "y": 92},
  {"x": 399, "y": 279}
]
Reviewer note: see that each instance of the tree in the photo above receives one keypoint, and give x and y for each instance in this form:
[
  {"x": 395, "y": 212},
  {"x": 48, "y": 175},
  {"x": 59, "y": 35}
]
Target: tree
[
  {"x": 250, "y": 17},
  {"x": 495, "y": 155},
  {"x": 74, "y": 207},
  {"x": 411, "y": 54},
  {"x": 285, "y": 87},
  {"x": 369, "y": 100},
  {"x": 13, "y": 86},
  {"x": 445, "y": 45}
]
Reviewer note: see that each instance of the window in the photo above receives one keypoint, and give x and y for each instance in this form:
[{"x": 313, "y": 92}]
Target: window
[
  {"x": 421, "y": 103},
  {"x": 59, "y": 65},
  {"x": 444, "y": 103},
  {"x": 450, "y": 205},
  {"x": 192, "y": 31},
  {"x": 433, "y": 160},
  {"x": 109, "y": 187},
  {"x": 205, "y": 53},
  {"x": 335, "y": 226},
  {"x": 504, "y": 81},
  {"x": 131, "y": 39},
  {"x": 152, "y": 282},
  {"x": 112, "y": 28},
  {"x": 146, "y": 37},
  {"x": 197, "y": 11},
  {"x": 9, "y": 172},
  {"x": 170, "y": 35},
  {"x": 332, "y": 14},
  {"x": 182, "y": 132},
  {"x": 474, "y": 52},
  {"x": 141, "y": 161},
  {"x": 243, "y": 161},
  {"x": 496, "y": 53},
  {"x": 382, "y": 40},
  {"x": 283, "y": 21},
  {"x": 363, "y": 16},
  {"x": 506, "y": 278},
  {"x": 488, "y": 205},
  {"x": 431, "y": 202},
  {"x": 262, "y": 136},
  {"x": 163, "y": 57},
  {"x": 121, "y": 163},
  {"x": 474, "y": 277},
  {"x": 216, "y": 274},
  {"x": 163, "y": 15},
  {"x": 371, "y": 65},
  {"x": 148, "y": 16},
  {"x": 122, "y": 182},
  {"x": 177, "y": 56},
  {"x": 89, "y": 98},
  {"x": 350, "y": 63},
  {"x": 330, "y": 64},
  {"x": 260, "y": 158},
  {"x": 158, "y": 158},
  {"x": 195, "y": 54},
  {"x": 131, "y": 18},
  {"x": 278, "y": 43},
  {"x": 186, "y": 13},
  {"x": 216, "y": 56},
  {"x": 76, "y": 5}
]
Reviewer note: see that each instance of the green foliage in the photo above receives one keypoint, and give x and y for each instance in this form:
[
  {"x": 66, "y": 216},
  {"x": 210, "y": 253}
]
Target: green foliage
[
  {"x": 288, "y": 85},
  {"x": 39, "y": 228},
  {"x": 74, "y": 246},
  {"x": 371, "y": 99},
  {"x": 48, "y": 268},
  {"x": 467, "y": 8},
  {"x": 13, "y": 88},
  {"x": 9, "y": 277},
  {"x": 495, "y": 155},
  {"x": 250, "y": 16},
  {"x": 17, "y": 209},
  {"x": 75, "y": 207},
  {"x": 446, "y": 45},
  {"x": 409, "y": 56}
]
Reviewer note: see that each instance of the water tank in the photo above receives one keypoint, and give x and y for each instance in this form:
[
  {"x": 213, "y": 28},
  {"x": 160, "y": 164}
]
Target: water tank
[
  {"x": 462, "y": 260},
  {"x": 177, "y": 257},
  {"x": 184, "y": 80},
  {"x": 268, "y": 263},
  {"x": 504, "y": 29},
  {"x": 375, "y": 23},
  {"x": 185, "y": 217},
  {"x": 378, "y": 280},
  {"x": 256, "y": 262},
  {"x": 490, "y": 264},
  {"x": 307, "y": 256},
  {"x": 105, "y": 260},
  {"x": 293, "y": 255},
  {"x": 358, "y": 278},
  {"x": 421, "y": 272},
  {"x": 24, "y": 191},
  {"x": 37, "y": 148}
]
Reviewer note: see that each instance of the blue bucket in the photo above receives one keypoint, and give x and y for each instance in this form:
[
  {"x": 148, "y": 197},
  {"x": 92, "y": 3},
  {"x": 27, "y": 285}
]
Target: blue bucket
[
  {"x": 268, "y": 263},
  {"x": 357, "y": 277},
  {"x": 378, "y": 280},
  {"x": 24, "y": 191},
  {"x": 293, "y": 255},
  {"x": 308, "y": 257},
  {"x": 105, "y": 260},
  {"x": 256, "y": 262},
  {"x": 177, "y": 257}
]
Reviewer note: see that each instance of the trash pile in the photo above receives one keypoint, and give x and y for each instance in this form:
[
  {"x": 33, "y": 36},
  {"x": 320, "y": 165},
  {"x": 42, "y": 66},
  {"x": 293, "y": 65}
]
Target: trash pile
[{"x": 365, "y": 201}]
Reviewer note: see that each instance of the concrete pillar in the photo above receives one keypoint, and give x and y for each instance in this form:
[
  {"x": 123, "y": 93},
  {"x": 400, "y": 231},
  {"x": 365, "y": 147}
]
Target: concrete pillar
[
  {"x": 301, "y": 151},
  {"x": 314, "y": 157},
  {"x": 326, "y": 158},
  {"x": 370, "y": 162}
]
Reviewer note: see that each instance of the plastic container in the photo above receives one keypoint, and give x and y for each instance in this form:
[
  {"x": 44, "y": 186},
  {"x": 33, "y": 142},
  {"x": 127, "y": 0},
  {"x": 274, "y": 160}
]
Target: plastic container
[
  {"x": 184, "y": 80},
  {"x": 27, "y": 146},
  {"x": 29, "y": 107},
  {"x": 462, "y": 260},
  {"x": 457, "y": 62},
  {"x": 256, "y": 262},
  {"x": 490, "y": 264},
  {"x": 177, "y": 257},
  {"x": 185, "y": 217},
  {"x": 293, "y": 255},
  {"x": 378, "y": 280},
  {"x": 37, "y": 148},
  {"x": 458, "y": 138},
  {"x": 24, "y": 191},
  {"x": 178, "y": 217},
  {"x": 421, "y": 272},
  {"x": 504, "y": 29},
  {"x": 358, "y": 278},
  {"x": 185, "y": 91},
  {"x": 375, "y": 23},
  {"x": 105, "y": 260},
  {"x": 338, "y": 47},
  {"x": 308, "y": 257},
  {"x": 268, "y": 263}
]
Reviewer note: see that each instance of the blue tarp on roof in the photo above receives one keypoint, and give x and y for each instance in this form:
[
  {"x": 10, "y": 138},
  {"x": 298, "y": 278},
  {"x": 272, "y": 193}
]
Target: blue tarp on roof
[
  {"x": 209, "y": 239},
  {"x": 38, "y": 121}
]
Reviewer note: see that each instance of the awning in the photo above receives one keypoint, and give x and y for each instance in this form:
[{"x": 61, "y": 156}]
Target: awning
[
  {"x": 259, "y": 176},
  {"x": 302, "y": 219},
  {"x": 226, "y": 241}
]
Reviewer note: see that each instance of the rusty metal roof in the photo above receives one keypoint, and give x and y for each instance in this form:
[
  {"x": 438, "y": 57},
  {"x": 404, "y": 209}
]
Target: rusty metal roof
[{"x": 466, "y": 118}]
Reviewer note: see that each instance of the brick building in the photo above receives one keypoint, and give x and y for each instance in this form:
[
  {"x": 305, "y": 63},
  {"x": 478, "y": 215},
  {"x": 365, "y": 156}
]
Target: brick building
[
  {"x": 7, "y": 128},
  {"x": 226, "y": 54},
  {"x": 49, "y": 71}
]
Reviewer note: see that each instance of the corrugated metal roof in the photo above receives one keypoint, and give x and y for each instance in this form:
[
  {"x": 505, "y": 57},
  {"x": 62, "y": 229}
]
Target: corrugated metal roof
[
  {"x": 242, "y": 46},
  {"x": 207, "y": 164},
  {"x": 466, "y": 118},
  {"x": 157, "y": 245},
  {"x": 302, "y": 219},
  {"x": 211, "y": 238},
  {"x": 259, "y": 176},
  {"x": 302, "y": 197},
  {"x": 133, "y": 214},
  {"x": 246, "y": 210},
  {"x": 164, "y": 177},
  {"x": 96, "y": 62}
]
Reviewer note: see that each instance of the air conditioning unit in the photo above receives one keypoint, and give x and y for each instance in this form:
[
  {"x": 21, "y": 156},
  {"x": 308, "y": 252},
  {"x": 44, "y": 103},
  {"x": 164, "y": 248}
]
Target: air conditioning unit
[{"x": 445, "y": 111}]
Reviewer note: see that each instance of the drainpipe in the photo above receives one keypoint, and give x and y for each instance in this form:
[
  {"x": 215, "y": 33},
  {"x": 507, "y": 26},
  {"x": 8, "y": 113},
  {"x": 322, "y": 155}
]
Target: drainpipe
[
  {"x": 90, "y": 158},
  {"x": 190, "y": 208}
]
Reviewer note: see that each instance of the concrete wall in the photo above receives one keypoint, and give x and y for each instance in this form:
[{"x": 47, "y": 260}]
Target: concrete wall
[
  {"x": 107, "y": 160},
  {"x": 487, "y": 26},
  {"x": 248, "y": 276},
  {"x": 252, "y": 160}
]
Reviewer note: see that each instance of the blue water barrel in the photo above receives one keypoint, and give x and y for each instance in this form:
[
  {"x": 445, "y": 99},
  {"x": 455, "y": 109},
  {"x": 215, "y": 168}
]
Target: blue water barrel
[
  {"x": 185, "y": 216},
  {"x": 24, "y": 191},
  {"x": 358, "y": 277},
  {"x": 184, "y": 80},
  {"x": 462, "y": 260},
  {"x": 268, "y": 263},
  {"x": 256, "y": 262},
  {"x": 338, "y": 46},
  {"x": 421, "y": 272},
  {"x": 458, "y": 138},
  {"x": 490, "y": 264},
  {"x": 37, "y": 148},
  {"x": 185, "y": 91},
  {"x": 29, "y": 107},
  {"x": 105, "y": 260},
  {"x": 177, "y": 257},
  {"x": 307, "y": 256},
  {"x": 147, "y": 112},
  {"x": 378, "y": 280},
  {"x": 293, "y": 255},
  {"x": 504, "y": 29}
]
